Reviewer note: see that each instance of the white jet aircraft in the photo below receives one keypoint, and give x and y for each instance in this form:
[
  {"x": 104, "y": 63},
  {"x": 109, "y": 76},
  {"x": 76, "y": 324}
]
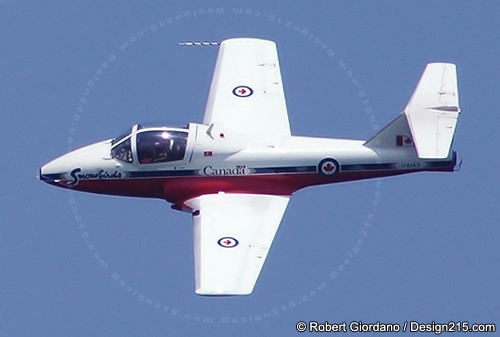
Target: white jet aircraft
[{"x": 235, "y": 172}]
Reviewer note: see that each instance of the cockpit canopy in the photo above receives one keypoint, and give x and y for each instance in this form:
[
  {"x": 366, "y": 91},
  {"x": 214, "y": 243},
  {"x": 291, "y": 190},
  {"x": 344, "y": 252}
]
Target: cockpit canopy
[
  {"x": 151, "y": 144},
  {"x": 159, "y": 146},
  {"x": 123, "y": 151}
]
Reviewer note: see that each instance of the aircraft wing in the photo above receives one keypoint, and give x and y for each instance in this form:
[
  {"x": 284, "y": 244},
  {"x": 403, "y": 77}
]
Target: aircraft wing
[
  {"x": 246, "y": 94},
  {"x": 232, "y": 236}
]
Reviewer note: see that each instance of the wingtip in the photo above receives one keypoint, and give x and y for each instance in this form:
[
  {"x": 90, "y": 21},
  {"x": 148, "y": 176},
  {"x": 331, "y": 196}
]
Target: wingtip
[{"x": 210, "y": 292}]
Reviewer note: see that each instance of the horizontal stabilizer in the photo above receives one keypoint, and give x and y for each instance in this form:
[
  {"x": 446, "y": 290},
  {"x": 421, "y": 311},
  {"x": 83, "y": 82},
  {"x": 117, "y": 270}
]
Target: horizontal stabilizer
[{"x": 433, "y": 111}]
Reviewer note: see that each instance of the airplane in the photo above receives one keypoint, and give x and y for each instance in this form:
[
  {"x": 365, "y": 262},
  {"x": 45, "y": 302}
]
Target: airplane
[{"x": 235, "y": 172}]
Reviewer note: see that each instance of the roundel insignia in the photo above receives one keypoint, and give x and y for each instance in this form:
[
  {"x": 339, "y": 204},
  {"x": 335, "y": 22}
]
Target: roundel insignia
[
  {"x": 328, "y": 167},
  {"x": 227, "y": 242},
  {"x": 242, "y": 91}
]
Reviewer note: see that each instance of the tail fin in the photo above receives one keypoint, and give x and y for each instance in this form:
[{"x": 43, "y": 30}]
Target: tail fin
[{"x": 430, "y": 117}]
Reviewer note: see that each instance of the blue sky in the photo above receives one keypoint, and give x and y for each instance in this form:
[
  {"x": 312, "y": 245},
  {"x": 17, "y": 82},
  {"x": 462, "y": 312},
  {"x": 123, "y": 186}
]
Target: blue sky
[{"x": 420, "y": 247}]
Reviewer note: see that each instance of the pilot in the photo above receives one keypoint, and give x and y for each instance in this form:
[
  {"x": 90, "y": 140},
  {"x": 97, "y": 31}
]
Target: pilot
[
  {"x": 161, "y": 155},
  {"x": 146, "y": 155}
]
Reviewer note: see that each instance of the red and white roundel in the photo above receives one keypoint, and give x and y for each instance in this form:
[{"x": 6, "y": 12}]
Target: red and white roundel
[
  {"x": 242, "y": 91},
  {"x": 227, "y": 242},
  {"x": 328, "y": 167}
]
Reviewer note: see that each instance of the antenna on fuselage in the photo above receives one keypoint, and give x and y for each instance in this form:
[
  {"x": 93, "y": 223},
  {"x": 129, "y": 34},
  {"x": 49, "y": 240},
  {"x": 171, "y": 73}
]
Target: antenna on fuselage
[{"x": 199, "y": 43}]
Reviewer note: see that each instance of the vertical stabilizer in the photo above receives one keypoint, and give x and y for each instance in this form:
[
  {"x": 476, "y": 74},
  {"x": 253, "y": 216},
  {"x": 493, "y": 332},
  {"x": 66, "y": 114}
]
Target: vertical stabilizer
[
  {"x": 396, "y": 133},
  {"x": 428, "y": 121},
  {"x": 433, "y": 110}
]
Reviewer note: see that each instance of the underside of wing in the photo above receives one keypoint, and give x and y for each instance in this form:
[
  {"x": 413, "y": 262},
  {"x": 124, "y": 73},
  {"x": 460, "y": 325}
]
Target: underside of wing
[
  {"x": 232, "y": 236},
  {"x": 246, "y": 94}
]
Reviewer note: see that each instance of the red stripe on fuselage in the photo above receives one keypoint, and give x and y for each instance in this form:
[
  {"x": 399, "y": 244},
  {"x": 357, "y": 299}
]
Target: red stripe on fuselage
[{"x": 179, "y": 189}]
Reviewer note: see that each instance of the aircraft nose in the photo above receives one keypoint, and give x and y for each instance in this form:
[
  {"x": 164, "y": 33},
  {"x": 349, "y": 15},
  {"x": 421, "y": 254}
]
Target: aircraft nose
[
  {"x": 63, "y": 170},
  {"x": 58, "y": 171},
  {"x": 48, "y": 176}
]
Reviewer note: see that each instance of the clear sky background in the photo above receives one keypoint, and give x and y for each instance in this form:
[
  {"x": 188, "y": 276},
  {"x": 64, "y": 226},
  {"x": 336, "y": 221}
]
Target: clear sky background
[{"x": 420, "y": 247}]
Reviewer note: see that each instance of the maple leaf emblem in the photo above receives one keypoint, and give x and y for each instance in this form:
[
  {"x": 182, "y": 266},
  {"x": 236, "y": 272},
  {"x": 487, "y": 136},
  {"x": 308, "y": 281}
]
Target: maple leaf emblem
[{"x": 328, "y": 167}]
